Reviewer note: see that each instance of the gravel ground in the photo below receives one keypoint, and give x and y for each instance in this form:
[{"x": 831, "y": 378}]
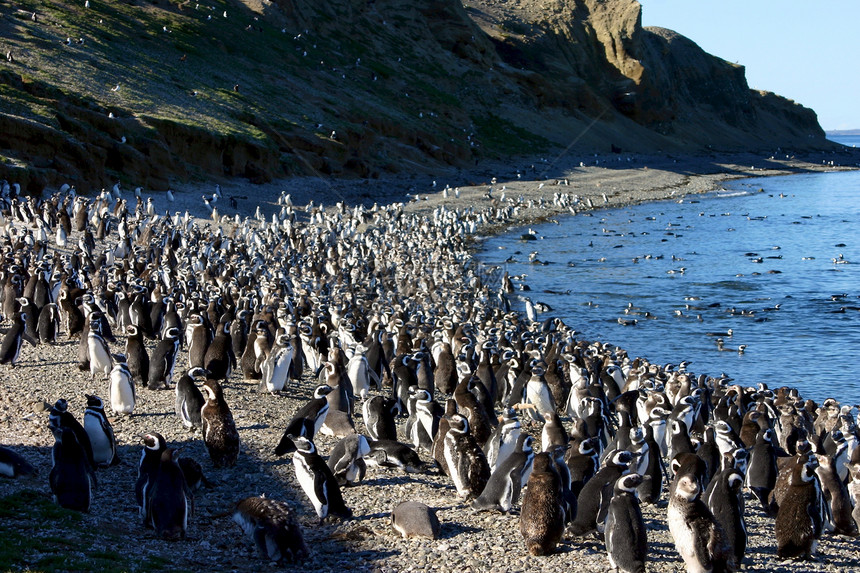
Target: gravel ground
[{"x": 469, "y": 541}]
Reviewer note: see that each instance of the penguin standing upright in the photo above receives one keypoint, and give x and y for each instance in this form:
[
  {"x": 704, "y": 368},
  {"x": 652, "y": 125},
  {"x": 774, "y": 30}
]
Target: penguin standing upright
[
  {"x": 318, "y": 481},
  {"x": 467, "y": 464},
  {"x": 274, "y": 528},
  {"x": 99, "y": 352},
  {"x": 60, "y": 417},
  {"x": 10, "y": 348},
  {"x": 72, "y": 478},
  {"x": 379, "y": 418},
  {"x": 219, "y": 360},
  {"x": 275, "y": 369},
  {"x": 163, "y": 360},
  {"x": 150, "y": 459},
  {"x": 699, "y": 538},
  {"x": 189, "y": 400},
  {"x": 762, "y": 471},
  {"x": 122, "y": 394},
  {"x": 725, "y": 500},
  {"x": 799, "y": 521},
  {"x": 100, "y": 432},
  {"x": 49, "y": 323},
  {"x": 503, "y": 488},
  {"x": 597, "y": 491},
  {"x": 542, "y": 516},
  {"x": 169, "y": 501},
  {"x": 136, "y": 356},
  {"x": 219, "y": 429},
  {"x": 624, "y": 531}
]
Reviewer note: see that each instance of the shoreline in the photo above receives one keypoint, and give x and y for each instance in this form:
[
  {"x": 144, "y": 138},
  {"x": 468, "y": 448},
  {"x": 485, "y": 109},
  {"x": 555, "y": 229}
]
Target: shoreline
[{"x": 470, "y": 541}]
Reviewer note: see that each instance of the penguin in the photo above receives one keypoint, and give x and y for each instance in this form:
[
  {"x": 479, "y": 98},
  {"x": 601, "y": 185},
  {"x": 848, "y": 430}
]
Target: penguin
[
  {"x": 306, "y": 421},
  {"x": 582, "y": 462},
  {"x": 699, "y": 538},
  {"x": 835, "y": 498},
  {"x": 423, "y": 422},
  {"x": 100, "y": 432},
  {"x": 415, "y": 519},
  {"x": 72, "y": 479},
  {"x": 346, "y": 460},
  {"x": 504, "y": 438},
  {"x": 274, "y": 528},
  {"x": 553, "y": 432},
  {"x": 136, "y": 356},
  {"x": 199, "y": 336},
  {"x": 10, "y": 348},
  {"x": 99, "y": 353},
  {"x": 467, "y": 464},
  {"x": 624, "y": 531},
  {"x": 219, "y": 359},
  {"x": 49, "y": 323},
  {"x": 393, "y": 454},
  {"x": 189, "y": 399},
  {"x": 275, "y": 369},
  {"x": 219, "y": 429},
  {"x": 121, "y": 389},
  {"x": 799, "y": 520},
  {"x": 542, "y": 516},
  {"x": 725, "y": 500},
  {"x": 318, "y": 481},
  {"x": 13, "y": 464},
  {"x": 60, "y": 417},
  {"x": 169, "y": 501},
  {"x": 503, "y": 488},
  {"x": 359, "y": 373},
  {"x": 762, "y": 471},
  {"x": 163, "y": 360},
  {"x": 596, "y": 492},
  {"x": 379, "y": 418},
  {"x": 154, "y": 445}
]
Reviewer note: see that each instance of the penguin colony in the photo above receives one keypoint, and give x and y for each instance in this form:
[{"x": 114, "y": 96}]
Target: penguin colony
[{"x": 416, "y": 365}]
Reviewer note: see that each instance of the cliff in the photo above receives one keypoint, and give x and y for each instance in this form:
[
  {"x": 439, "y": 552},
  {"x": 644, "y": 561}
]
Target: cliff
[{"x": 148, "y": 91}]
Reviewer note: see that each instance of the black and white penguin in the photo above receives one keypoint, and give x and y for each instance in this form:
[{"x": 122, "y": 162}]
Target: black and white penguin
[
  {"x": 503, "y": 440},
  {"x": 136, "y": 356},
  {"x": 189, "y": 399},
  {"x": 415, "y": 519},
  {"x": 553, "y": 433},
  {"x": 60, "y": 417},
  {"x": 346, "y": 460},
  {"x": 199, "y": 335},
  {"x": 699, "y": 538},
  {"x": 10, "y": 348},
  {"x": 219, "y": 360},
  {"x": 274, "y": 528},
  {"x": 13, "y": 464},
  {"x": 762, "y": 471},
  {"x": 467, "y": 464},
  {"x": 100, "y": 432},
  {"x": 306, "y": 421},
  {"x": 275, "y": 369},
  {"x": 318, "y": 481},
  {"x": 100, "y": 359},
  {"x": 582, "y": 460},
  {"x": 72, "y": 479},
  {"x": 379, "y": 418},
  {"x": 219, "y": 430},
  {"x": 800, "y": 519},
  {"x": 163, "y": 360},
  {"x": 121, "y": 389},
  {"x": 542, "y": 517},
  {"x": 49, "y": 323},
  {"x": 393, "y": 454},
  {"x": 154, "y": 445},
  {"x": 169, "y": 501},
  {"x": 597, "y": 492},
  {"x": 624, "y": 531},
  {"x": 503, "y": 488},
  {"x": 725, "y": 500},
  {"x": 423, "y": 422}
]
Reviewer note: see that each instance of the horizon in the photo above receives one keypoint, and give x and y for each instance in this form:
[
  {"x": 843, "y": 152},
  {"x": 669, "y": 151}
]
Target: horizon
[{"x": 794, "y": 49}]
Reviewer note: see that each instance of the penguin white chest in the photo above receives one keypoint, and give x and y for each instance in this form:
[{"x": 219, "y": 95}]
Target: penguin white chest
[
  {"x": 307, "y": 479},
  {"x": 685, "y": 540}
]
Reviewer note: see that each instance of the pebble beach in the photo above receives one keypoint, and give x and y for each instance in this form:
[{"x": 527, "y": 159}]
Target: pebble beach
[{"x": 493, "y": 198}]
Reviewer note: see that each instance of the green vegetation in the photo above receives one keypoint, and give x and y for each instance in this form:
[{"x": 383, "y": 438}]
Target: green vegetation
[{"x": 502, "y": 136}]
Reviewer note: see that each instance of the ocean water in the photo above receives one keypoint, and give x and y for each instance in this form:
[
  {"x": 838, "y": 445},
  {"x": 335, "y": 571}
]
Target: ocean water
[{"x": 776, "y": 260}]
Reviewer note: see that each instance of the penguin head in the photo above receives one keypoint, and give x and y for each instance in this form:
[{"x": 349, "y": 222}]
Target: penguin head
[
  {"x": 94, "y": 401},
  {"x": 687, "y": 487},
  {"x": 322, "y": 390},
  {"x": 154, "y": 441},
  {"x": 458, "y": 424},
  {"x": 304, "y": 445},
  {"x": 628, "y": 482},
  {"x": 622, "y": 458}
]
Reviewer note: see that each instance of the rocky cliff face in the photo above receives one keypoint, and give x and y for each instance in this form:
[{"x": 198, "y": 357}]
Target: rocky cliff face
[{"x": 143, "y": 91}]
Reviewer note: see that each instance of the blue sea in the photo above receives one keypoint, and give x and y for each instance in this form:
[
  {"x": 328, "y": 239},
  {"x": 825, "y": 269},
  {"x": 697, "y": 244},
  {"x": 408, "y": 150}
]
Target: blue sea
[{"x": 776, "y": 260}]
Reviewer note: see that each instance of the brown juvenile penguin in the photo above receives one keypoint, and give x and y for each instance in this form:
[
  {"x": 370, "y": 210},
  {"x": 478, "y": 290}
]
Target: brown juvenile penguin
[
  {"x": 800, "y": 522},
  {"x": 219, "y": 429},
  {"x": 542, "y": 516}
]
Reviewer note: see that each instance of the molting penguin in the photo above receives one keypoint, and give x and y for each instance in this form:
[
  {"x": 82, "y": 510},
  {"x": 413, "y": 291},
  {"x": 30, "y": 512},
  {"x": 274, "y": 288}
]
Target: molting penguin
[
  {"x": 169, "y": 501},
  {"x": 467, "y": 464},
  {"x": 100, "y": 432},
  {"x": 71, "y": 479},
  {"x": 799, "y": 521},
  {"x": 274, "y": 528},
  {"x": 317, "y": 480},
  {"x": 219, "y": 429},
  {"x": 189, "y": 399},
  {"x": 219, "y": 360},
  {"x": 542, "y": 516},
  {"x": 624, "y": 531}
]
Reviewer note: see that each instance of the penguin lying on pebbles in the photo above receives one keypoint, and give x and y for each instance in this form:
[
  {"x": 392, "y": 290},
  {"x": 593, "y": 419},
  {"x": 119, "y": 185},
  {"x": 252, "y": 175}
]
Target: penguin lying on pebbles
[
  {"x": 13, "y": 464},
  {"x": 274, "y": 528},
  {"x": 415, "y": 519},
  {"x": 394, "y": 454},
  {"x": 346, "y": 460}
]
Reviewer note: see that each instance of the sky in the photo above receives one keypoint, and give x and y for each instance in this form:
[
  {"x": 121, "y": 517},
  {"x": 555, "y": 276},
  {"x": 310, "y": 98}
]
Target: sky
[{"x": 806, "y": 51}]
